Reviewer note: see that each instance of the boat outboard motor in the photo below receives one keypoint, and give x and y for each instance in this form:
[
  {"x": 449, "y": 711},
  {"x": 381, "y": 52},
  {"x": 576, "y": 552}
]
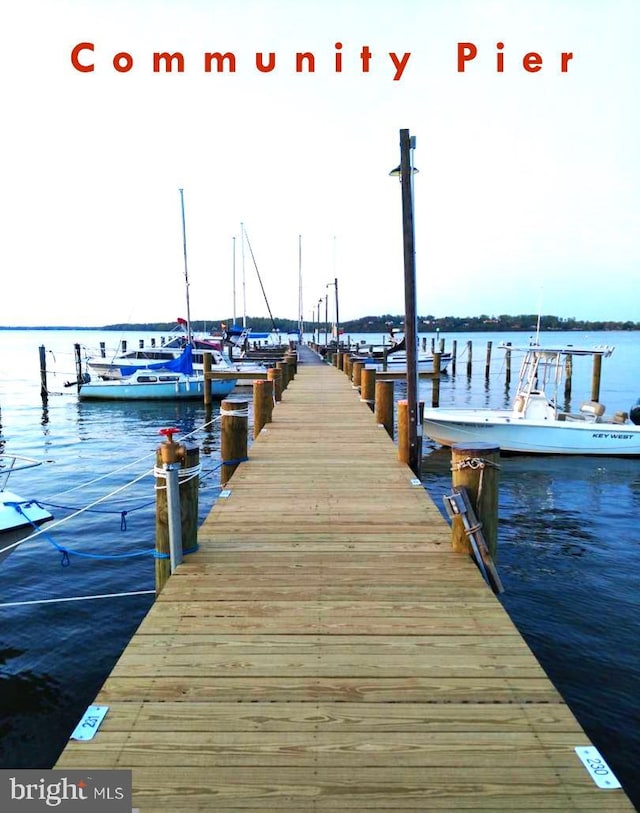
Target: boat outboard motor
[{"x": 634, "y": 413}]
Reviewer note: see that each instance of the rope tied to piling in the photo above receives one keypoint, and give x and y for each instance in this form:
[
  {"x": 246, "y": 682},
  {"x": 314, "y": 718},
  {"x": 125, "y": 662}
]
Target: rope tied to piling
[
  {"x": 475, "y": 463},
  {"x": 184, "y": 475},
  {"x": 235, "y": 413}
]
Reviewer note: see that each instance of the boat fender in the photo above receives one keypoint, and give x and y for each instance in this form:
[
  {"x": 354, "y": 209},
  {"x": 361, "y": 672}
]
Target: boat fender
[{"x": 634, "y": 413}]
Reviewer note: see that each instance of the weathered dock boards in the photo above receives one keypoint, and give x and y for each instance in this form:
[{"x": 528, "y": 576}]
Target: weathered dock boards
[{"x": 325, "y": 649}]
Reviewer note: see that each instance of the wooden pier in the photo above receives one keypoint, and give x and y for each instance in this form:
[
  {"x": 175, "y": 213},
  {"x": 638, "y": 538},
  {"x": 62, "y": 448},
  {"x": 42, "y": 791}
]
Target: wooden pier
[{"x": 326, "y": 650}]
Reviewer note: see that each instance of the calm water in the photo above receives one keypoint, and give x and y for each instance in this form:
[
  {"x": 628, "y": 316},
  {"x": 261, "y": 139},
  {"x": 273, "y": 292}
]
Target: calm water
[{"x": 569, "y": 545}]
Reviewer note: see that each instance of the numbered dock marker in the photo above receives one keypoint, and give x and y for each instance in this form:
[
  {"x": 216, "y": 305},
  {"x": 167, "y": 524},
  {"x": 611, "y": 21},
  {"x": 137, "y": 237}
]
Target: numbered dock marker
[
  {"x": 416, "y": 482},
  {"x": 226, "y": 493},
  {"x": 598, "y": 769},
  {"x": 90, "y": 723}
]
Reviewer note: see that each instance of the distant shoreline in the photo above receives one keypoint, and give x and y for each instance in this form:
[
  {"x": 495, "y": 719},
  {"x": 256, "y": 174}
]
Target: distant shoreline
[{"x": 471, "y": 327}]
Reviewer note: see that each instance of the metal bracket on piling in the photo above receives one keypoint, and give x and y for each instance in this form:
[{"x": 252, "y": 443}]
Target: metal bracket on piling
[
  {"x": 458, "y": 504},
  {"x": 173, "y": 511}
]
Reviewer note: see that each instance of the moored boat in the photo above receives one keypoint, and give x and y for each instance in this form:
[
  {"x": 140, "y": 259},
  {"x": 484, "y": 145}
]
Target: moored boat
[
  {"x": 18, "y": 516},
  {"x": 535, "y": 424},
  {"x": 174, "y": 380}
]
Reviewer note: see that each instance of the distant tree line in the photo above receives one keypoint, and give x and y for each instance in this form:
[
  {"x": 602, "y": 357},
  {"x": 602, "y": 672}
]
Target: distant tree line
[
  {"x": 378, "y": 324},
  {"x": 426, "y": 324}
]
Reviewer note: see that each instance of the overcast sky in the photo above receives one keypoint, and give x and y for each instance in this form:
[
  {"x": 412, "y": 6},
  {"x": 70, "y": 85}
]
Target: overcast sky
[{"x": 527, "y": 196}]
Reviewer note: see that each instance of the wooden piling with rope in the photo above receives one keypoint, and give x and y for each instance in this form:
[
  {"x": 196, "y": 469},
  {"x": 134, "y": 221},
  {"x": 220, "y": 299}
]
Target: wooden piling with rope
[
  {"x": 476, "y": 467},
  {"x": 187, "y": 455}
]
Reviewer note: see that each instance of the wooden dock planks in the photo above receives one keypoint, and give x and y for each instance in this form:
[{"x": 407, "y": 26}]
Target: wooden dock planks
[{"x": 325, "y": 649}]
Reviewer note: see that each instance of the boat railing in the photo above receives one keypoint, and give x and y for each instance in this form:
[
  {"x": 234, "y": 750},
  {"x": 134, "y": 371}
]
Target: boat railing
[{"x": 12, "y": 463}]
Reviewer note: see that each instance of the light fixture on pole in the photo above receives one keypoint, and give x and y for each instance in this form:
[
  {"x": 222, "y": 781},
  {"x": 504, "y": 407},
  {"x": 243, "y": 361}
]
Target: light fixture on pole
[{"x": 406, "y": 171}]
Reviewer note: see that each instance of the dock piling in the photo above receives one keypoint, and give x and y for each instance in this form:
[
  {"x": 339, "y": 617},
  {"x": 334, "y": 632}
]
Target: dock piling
[
  {"x": 476, "y": 468},
  {"x": 234, "y": 423},
  {"x": 262, "y": 405},
  {"x": 274, "y": 374},
  {"x": 368, "y": 386},
  {"x": 384, "y": 405},
  {"x": 44, "y": 392}
]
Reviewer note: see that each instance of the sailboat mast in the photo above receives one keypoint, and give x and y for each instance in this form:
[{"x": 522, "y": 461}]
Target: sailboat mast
[
  {"x": 234, "y": 281},
  {"x": 301, "y": 317},
  {"x": 244, "y": 281},
  {"x": 186, "y": 273}
]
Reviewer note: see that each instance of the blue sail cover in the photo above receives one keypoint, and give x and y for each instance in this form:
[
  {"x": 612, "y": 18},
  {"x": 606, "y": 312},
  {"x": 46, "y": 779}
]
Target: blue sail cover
[
  {"x": 236, "y": 330},
  {"x": 182, "y": 364}
]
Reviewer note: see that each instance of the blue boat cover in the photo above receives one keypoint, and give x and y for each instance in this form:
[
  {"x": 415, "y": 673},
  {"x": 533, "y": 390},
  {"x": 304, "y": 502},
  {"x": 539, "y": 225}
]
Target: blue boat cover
[{"x": 182, "y": 364}]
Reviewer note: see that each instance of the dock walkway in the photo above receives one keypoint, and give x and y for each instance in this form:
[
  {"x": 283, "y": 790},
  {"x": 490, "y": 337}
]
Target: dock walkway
[{"x": 326, "y": 650}]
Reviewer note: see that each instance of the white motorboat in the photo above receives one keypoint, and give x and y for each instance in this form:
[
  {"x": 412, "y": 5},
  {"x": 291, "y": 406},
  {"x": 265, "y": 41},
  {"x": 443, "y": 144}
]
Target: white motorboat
[
  {"x": 535, "y": 424},
  {"x": 397, "y": 362},
  {"x": 18, "y": 516}
]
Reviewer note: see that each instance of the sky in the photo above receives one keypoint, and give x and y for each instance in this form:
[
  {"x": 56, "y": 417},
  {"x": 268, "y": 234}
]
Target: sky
[{"x": 527, "y": 196}]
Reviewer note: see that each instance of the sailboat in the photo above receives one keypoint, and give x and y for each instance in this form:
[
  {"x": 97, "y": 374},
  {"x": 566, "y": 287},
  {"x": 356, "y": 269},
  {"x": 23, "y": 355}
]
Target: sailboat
[
  {"x": 172, "y": 378},
  {"x": 238, "y": 336}
]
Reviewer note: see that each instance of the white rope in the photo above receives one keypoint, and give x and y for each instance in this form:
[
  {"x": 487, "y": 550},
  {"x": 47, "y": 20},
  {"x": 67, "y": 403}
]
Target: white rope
[
  {"x": 102, "y": 477},
  {"x": 10, "y": 547},
  {"x": 76, "y": 598},
  {"x": 132, "y": 463},
  {"x": 184, "y": 475},
  {"x": 235, "y": 413}
]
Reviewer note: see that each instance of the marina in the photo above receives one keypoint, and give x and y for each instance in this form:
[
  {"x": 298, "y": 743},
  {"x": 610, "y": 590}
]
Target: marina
[{"x": 434, "y": 476}]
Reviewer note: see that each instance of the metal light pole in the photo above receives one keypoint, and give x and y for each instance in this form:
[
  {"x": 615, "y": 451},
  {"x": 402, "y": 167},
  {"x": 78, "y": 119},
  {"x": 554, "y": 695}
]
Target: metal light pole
[
  {"x": 326, "y": 318},
  {"x": 406, "y": 171},
  {"x": 334, "y": 284}
]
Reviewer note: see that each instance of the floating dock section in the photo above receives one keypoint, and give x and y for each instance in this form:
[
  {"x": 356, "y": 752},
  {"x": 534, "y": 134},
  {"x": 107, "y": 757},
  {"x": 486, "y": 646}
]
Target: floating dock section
[{"x": 326, "y": 650}]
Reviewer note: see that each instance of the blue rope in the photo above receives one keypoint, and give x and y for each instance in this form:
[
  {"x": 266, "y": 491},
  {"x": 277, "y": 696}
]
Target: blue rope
[
  {"x": 66, "y": 560},
  {"x": 122, "y": 512},
  {"x": 234, "y": 462}
]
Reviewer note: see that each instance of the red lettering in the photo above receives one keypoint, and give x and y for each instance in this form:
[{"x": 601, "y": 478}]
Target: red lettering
[
  {"x": 466, "y": 52},
  {"x": 310, "y": 60},
  {"x": 499, "y": 57},
  {"x": 564, "y": 62},
  {"x": 82, "y": 46},
  {"x": 123, "y": 62},
  {"x": 219, "y": 59},
  {"x": 168, "y": 61},
  {"x": 260, "y": 62},
  {"x": 365, "y": 56},
  {"x": 338, "y": 46},
  {"x": 532, "y": 62}
]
